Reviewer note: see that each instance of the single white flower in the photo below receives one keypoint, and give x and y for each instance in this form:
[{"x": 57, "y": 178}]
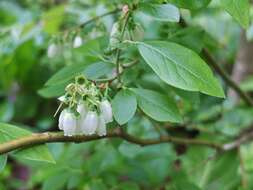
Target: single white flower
[
  {"x": 82, "y": 110},
  {"x": 77, "y": 42},
  {"x": 52, "y": 50},
  {"x": 101, "y": 129},
  {"x": 90, "y": 123},
  {"x": 69, "y": 124},
  {"x": 106, "y": 111},
  {"x": 61, "y": 118}
]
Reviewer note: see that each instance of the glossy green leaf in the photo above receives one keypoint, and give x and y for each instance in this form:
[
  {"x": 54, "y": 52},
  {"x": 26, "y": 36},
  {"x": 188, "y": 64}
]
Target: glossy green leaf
[
  {"x": 157, "y": 106},
  {"x": 124, "y": 106},
  {"x": 163, "y": 12},
  {"x": 190, "y": 4},
  {"x": 39, "y": 153},
  {"x": 239, "y": 10},
  {"x": 180, "y": 67}
]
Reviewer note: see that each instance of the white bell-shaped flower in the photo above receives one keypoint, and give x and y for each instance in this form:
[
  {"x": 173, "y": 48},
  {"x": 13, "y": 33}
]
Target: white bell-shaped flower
[
  {"x": 69, "y": 124},
  {"x": 78, "y": 41},
  {"x": 106, "y": 111},
  {"x": 82, "y": 110},
  {"x": 61, "y": 118},
  {"x": 90, "y": 123},
  {"x": 52, "y": 50},
  {"x": 101, "y": 129}
]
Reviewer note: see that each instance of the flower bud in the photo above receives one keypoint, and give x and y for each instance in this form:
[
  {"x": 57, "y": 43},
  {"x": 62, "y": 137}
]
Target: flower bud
[
  {"x": 69, "y": 124},
  {"x": 114, "y": 36},
  {"x": 90, "y": 123},
  {"x": 106, "y": 111},
  {"x": 52, "y": 50},
  {"x": 101, "y": 129},
  {"x": 60, "y": 121},
  {"x": 77, "y": 42},
  {"x": 125, "y": 9}
]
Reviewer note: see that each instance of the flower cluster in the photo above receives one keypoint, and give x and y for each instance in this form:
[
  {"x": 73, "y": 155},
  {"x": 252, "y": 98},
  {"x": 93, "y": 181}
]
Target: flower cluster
[{"x": 88, "y": 110}]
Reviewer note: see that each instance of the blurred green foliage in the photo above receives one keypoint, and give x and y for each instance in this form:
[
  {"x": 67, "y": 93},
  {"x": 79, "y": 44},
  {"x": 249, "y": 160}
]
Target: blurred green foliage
[{"x": 30, "y": 82}]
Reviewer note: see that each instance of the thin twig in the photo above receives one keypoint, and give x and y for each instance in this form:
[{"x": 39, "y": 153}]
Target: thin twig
[
  {"x": 121, "y": 73},
  {"x": 93, "y": 19}
]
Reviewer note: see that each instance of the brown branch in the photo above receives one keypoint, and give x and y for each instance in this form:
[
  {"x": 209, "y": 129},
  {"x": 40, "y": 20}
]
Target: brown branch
[
  {"x": 244, "y": 138},
  {"x": 50, "y": 137}
]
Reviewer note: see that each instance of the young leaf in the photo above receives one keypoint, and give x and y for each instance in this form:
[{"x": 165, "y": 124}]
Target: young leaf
[
  {"x": 180, "y": 67},
  {"x": 239, "y": 9},
  {"x": 157, "y": 106},
  {"x": 124, "y": 106},
  {"x": 163, "y": 12},
  {"x": 40, "y": 153},
  {"x": 191, "y": 4}
]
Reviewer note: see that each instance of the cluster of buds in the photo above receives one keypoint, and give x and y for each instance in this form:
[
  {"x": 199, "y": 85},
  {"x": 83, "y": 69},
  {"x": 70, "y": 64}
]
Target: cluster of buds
[{"x": 87, "y": 112}]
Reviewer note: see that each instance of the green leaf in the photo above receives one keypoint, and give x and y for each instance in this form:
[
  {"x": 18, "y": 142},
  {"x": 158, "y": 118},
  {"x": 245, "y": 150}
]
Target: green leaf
[
  {"x": 157, "y": 106},
  {"x": 39, "y": 153},
  {"x": 180, "y": 67},
  {"x": 124, "y": 106},
  {"x": 52, "y": 91},
  {"x": 164, "y": 12},
  {"x": 190, "y": 4},
  {"x": 239, "y": 10},
  {"x": 3, "y": 161},
  {"x": 190, "y": 37},
  {"x": 66, "y": 73},
  {"x": 219, "y": 172},
  {"x": 97, "y": 70}
]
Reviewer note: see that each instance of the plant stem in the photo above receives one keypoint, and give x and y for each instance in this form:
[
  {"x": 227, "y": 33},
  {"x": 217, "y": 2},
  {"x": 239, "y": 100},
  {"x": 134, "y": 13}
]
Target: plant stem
[{"x": 118, "y": 50}]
